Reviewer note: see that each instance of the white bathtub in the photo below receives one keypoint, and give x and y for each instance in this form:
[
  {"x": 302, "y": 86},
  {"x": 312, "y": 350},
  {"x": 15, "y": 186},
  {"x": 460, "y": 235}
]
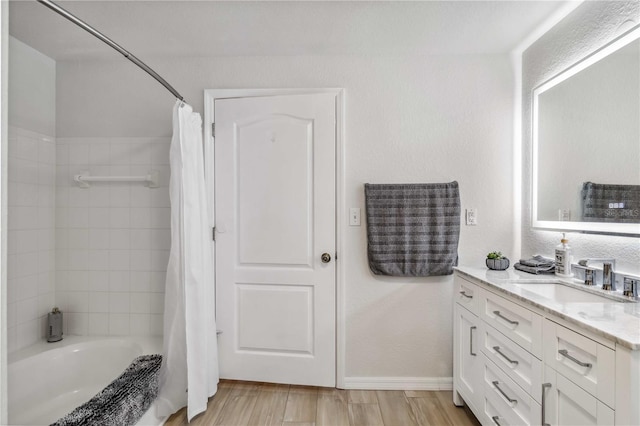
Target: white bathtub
[{"x": 49, "y": 380}]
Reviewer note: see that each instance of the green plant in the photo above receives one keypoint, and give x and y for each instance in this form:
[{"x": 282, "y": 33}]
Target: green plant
[{"x": 495, "y": 255}]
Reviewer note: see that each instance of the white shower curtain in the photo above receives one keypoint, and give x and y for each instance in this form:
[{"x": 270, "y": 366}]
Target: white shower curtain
[{"x": 189, "y": 373}]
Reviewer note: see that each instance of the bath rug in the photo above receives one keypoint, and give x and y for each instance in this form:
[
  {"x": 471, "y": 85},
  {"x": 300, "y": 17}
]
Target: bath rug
[
  {"x": 412, "y": 229},
  {"x": 123, "y": 401}
]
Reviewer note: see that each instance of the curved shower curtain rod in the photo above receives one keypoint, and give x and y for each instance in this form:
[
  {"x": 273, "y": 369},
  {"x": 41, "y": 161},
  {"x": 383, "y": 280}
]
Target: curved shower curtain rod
[{"x": 79, "y": 22}]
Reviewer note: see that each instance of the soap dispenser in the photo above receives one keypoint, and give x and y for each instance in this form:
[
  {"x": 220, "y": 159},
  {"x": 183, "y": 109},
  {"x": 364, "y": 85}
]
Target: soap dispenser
[{"x": 563, "y": 258}]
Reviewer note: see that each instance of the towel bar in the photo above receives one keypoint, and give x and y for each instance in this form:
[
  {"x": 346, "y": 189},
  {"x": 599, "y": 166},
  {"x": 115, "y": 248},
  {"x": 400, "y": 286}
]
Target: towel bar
[{"x": 84, "y": 178}]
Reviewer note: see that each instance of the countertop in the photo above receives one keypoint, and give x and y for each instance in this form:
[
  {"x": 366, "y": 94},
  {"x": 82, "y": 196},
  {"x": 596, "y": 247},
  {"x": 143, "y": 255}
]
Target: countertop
[{"x": 616, "y": 321}]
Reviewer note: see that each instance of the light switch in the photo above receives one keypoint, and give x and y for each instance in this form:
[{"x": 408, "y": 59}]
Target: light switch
[
  {"x": 471, "y": 216},
  {"x": 354, "y": 216}
]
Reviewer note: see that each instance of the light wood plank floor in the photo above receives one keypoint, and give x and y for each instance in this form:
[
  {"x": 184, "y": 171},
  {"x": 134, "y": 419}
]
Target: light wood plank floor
[{"x": 249, "y": 403}]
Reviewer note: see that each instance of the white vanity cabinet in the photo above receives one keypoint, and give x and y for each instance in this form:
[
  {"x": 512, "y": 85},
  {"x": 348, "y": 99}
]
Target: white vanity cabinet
[
  {"x": 489, "y": 368},
  {"x": 517, "y": 362}
]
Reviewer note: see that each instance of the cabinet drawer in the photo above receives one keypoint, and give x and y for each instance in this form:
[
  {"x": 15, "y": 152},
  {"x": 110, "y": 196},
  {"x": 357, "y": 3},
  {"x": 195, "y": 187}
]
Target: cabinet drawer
[
  {"x": 588, "y": 364},
  {"x": 522, "y": 367},
  {"x": 517, "y": 323},
  {"x": 467, "y": 294},
  {"x": 511, "y": 402}
]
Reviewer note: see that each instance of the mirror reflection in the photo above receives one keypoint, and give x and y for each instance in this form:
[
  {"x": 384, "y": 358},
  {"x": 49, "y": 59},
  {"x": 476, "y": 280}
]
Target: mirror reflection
[{"x": 587, "y": 142}]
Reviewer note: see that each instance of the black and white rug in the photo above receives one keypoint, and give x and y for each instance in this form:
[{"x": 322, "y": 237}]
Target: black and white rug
[{"x": 124, "y": 400}]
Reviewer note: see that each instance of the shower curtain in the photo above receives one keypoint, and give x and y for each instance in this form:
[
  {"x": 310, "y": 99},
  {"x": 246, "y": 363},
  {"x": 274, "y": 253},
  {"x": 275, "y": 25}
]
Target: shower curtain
[{"x": 189, "y": 373}]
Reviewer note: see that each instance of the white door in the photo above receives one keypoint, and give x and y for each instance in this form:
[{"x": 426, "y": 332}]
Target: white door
[{"x": 275, "y": 218}]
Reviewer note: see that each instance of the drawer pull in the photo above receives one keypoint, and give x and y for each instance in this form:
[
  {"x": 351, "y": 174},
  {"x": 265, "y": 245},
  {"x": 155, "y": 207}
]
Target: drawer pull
[
  {"x": 495, "y": 384},
  {"x": 544, "y": 401},
  {"x": 471, "y": 352},
  {"x": 498, "y": 314},
  {"x": 495, "y": 420},
  {"x": 565, "y": 353},
  {"x": 497, "y": 349},
  {"x": 464, "y": 293}
]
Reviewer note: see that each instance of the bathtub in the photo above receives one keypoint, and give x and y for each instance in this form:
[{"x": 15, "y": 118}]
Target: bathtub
[{"x": 49, "y": 380}]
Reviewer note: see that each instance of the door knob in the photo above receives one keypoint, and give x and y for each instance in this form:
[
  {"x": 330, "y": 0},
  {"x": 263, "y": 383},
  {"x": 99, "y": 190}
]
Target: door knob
[{"x": 326, "y": 258}]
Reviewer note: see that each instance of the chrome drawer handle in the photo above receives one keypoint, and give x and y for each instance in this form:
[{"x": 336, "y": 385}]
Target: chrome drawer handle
[
  {"x": 565, "y": 353},
  {"x": 498, "y": 314},
  {"x": 495, "y": 384},
  {"x": 544, "y": 402},
  {"x": 464, "y": 293},
  {"x": 471, "y": 352},
  {"x": 495, "y": 420},
  {"x": 497, "y": 349}
]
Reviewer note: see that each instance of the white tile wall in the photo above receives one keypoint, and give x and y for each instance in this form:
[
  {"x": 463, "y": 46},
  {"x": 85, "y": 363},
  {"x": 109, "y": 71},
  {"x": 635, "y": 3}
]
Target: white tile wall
[
  {"x": 113, "y": 239},
  {"x": 31, "y": 235}
]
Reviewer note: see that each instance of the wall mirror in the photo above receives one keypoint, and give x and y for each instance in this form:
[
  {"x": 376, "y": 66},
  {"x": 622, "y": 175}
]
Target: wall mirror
[{"x": 586, "y": 143}]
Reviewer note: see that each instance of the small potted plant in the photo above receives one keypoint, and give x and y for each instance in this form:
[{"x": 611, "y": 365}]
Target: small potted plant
[{"x": 496, "y": 261}]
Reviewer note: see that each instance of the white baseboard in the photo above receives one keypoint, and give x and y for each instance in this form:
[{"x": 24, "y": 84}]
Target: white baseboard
[{"x": 399, "y": 383}]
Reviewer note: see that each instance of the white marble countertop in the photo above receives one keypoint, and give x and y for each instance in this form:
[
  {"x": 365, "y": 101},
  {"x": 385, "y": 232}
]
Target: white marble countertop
[{"x": 617, "y": 321}]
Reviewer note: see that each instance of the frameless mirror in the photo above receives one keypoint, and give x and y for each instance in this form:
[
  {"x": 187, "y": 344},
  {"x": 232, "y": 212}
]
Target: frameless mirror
[{"x": 586, "y": 143}]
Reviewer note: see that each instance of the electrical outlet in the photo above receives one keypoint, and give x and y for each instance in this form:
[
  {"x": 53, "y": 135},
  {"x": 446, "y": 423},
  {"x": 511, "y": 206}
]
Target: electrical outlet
[
  {"x": 564, "y": 215},
  {"x": 471, "y": 216},
  {"x": 354, "y": 216}
]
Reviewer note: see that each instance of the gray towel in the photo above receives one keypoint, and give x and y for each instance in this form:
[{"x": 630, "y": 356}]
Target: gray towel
[
  {"x": 413, "y": 229},
  {"x": 538, "y": 261},
  {"x": 536, "y": 265},
  {"x": 610, "y": 203}
]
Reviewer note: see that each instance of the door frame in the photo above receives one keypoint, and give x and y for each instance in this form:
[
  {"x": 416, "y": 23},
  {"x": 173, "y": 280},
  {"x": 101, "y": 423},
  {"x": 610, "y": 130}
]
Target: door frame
[{"x": 210, "y": 95}]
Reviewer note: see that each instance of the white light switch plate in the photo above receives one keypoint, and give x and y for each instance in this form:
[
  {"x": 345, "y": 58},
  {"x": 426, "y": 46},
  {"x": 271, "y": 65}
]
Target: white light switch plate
[
  {"x": 471, "y": 216},
  {"x": 354, "y": 216}
]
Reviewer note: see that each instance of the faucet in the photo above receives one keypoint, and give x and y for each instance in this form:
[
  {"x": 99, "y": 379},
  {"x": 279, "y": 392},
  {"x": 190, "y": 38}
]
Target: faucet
[
  {"x": 608, "y": 266},
  {"x": 608, "y": 282}
]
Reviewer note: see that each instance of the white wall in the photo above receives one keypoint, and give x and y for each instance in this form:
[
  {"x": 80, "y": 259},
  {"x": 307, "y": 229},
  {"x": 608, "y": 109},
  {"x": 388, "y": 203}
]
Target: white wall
[
  {"x": 408, "y": 119},
  {"x": 31, "y": 195},
  {"x": 32, "y": 95},
  {"x": 587, "y": 28},
  {"x": 112, "y": 239}
]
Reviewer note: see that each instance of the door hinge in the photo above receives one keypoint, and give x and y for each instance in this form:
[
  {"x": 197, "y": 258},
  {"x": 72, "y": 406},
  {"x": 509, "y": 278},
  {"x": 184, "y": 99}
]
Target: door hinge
[
  {"x": 213, "y": 130},
  {"x": 213, "y": 233}
]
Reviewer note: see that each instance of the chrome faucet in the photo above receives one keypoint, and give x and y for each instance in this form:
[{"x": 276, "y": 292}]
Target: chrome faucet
[
  {"x": 608, "y": 282},
  {"x": 608, "y": 267}
]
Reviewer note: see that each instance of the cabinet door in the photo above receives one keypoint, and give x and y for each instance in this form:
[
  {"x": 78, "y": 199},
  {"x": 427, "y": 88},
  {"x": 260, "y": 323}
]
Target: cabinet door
[
  {"x": 467, "y": 364},
  {"x": 565, "y": 403}
]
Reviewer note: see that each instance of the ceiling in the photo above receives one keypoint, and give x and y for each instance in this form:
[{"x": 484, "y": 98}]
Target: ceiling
[{"x": 189, "y": 28}]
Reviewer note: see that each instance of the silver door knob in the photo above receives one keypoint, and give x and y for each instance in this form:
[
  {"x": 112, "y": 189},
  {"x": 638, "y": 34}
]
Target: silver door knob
[{"x": 326, "y": 258}]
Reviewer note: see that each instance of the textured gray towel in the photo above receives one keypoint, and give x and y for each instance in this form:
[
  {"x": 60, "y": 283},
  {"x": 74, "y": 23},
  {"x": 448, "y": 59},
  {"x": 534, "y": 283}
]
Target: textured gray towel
[
  {"x": 610, "y": 203},
  {"x": 413, "y": 229},
  {"x": 124, "y": 400}
]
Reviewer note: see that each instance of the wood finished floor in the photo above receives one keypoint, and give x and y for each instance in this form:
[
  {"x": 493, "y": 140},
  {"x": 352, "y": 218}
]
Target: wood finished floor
[{"x": 250, "y": 403}]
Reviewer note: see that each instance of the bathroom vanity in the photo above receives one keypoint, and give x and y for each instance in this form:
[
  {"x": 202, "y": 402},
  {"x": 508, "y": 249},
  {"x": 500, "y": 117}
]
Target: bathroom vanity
[{"x": 537, "y": 350}]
